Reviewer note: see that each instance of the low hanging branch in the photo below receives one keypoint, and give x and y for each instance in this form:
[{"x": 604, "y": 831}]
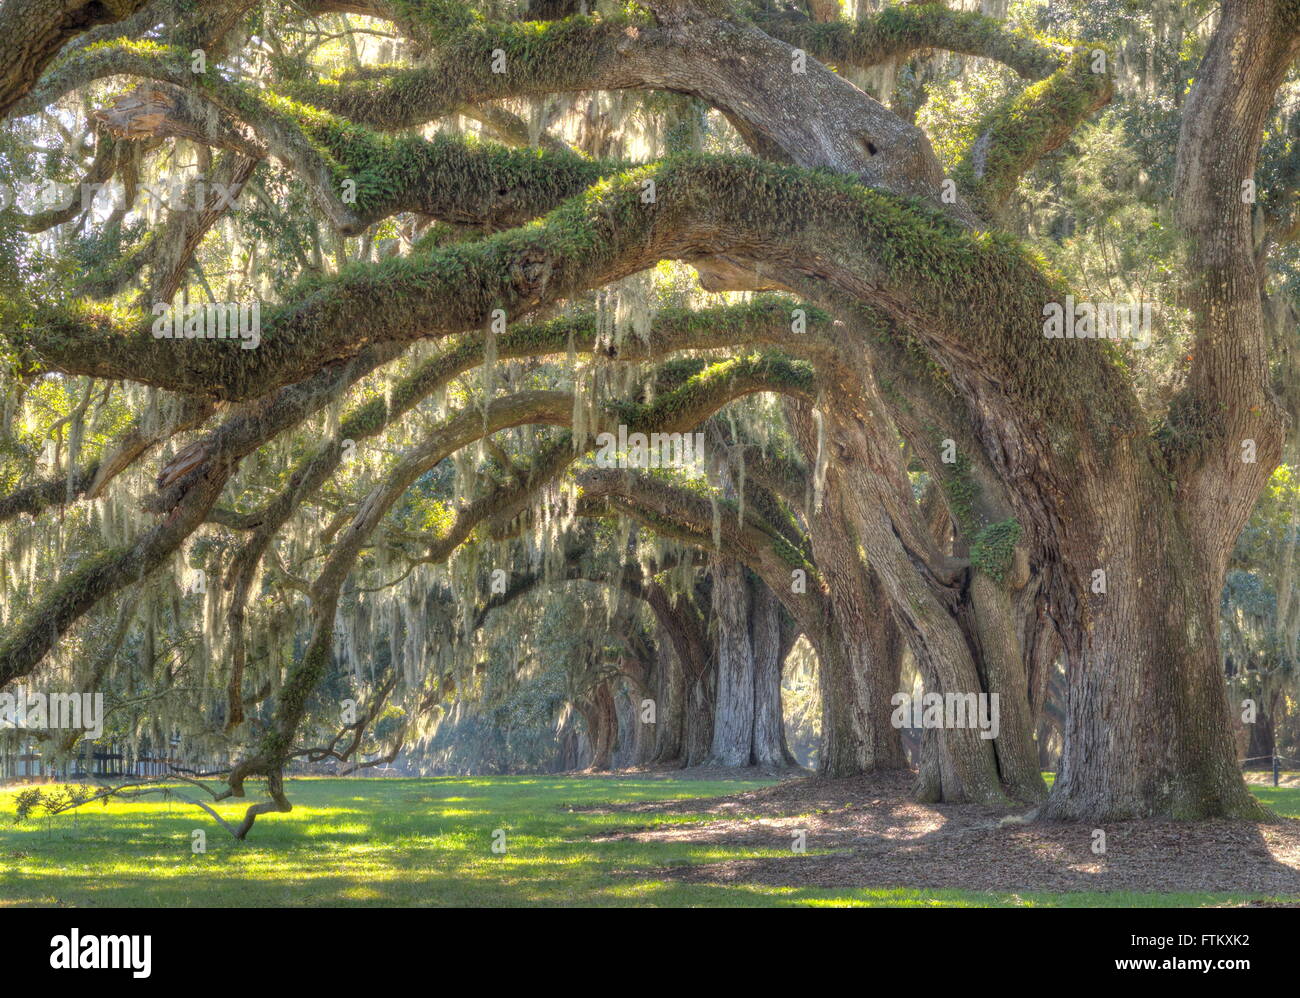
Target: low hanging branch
[
  {"x": 90, "y": 481},
  {"x": 185, "y": 501}
]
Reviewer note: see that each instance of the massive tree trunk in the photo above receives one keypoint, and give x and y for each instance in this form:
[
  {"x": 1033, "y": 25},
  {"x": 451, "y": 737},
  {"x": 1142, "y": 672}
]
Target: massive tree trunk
[
  {"x": 733, "y": 715},
  {"x": 859, "y": 663},
  {"x": 857, "y": 644},
  {"x": 699, "y": 720},
  {"x": 748, "y": 727},
  {"x": 1148, "y": 730},
  {"x": 670, "y": 705},
  {"x": 602, "y": 727},
  {"x": 768, "y": 747}
]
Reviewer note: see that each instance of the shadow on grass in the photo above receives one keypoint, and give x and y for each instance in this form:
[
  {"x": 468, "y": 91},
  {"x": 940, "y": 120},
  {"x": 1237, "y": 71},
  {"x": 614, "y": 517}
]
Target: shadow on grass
[{"x": 429, "y": 843}]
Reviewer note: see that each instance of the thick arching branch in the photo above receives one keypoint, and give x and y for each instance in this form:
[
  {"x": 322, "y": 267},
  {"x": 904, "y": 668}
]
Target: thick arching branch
[
  {"x": 91, "y": 480},
  {"x": 897, "y": 33},
  {"x": 188, "y": 488},
  {"x": 1228, "y": 399},
  {"x": 32, "y": 32},
  {"x": 688, "y": 517},
  {"x": 1028, "y": 126},
  {"x": 811, "y": 232}
]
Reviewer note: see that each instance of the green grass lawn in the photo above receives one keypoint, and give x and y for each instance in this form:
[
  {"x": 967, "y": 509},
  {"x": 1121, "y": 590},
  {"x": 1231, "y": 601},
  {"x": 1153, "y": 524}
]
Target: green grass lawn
[{"x": 427, "y": 842}]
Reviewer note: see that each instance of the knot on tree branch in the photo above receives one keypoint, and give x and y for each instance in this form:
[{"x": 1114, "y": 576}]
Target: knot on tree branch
[
  {"x": 140, "y": 113},
  {"x": 530, "y": 274}
]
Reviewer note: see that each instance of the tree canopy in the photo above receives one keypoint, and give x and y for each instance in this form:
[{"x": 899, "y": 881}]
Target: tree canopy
[{"x": 512, "y": 384}]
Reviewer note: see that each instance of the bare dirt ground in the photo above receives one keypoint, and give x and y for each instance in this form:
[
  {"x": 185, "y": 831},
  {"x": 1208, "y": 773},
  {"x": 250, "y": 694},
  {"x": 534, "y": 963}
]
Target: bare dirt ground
[
  {"x": 882, "y": 838},
  {"x": 727, "y": 774}
]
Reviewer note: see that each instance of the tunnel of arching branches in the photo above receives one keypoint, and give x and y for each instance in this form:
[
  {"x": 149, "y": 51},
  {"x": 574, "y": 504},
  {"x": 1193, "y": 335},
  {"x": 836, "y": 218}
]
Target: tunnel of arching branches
[{"x": 432, "y": 386}]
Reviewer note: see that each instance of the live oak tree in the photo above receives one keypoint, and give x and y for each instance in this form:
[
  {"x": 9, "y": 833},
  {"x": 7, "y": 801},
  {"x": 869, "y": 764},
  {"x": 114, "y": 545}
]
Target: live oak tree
[{"x": 951, "y": 483}]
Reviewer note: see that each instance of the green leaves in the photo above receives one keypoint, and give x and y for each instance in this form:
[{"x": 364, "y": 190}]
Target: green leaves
[{"x": 994, "y": 547}]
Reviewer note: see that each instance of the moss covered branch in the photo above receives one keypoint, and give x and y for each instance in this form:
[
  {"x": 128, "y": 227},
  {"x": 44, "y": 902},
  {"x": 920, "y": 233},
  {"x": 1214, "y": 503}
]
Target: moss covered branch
[
  {"x": 357, "y": 175},
  {"x": 118, "y": 455},
  {"x": 897, "y": 33},
  {"x": 185, "y": 501},
  {"x": 1031, "y": 124},
  {"x": 973, "y": 299}
]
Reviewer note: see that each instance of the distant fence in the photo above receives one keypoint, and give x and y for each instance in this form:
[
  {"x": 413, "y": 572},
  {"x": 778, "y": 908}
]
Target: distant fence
[
  {"x": 101, "y": 762},
  {"x": 1274, "y": 760}
]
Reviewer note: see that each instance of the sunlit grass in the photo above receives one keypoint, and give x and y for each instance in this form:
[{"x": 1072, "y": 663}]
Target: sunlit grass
[{"x": 429, "y": 843}]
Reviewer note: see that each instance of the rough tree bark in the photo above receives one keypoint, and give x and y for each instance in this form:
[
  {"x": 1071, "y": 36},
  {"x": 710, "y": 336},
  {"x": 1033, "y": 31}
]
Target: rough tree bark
[
  {"x": 33, "y": 31},
  {"x": 768, "y": 745},
  {"x": 1148, "y": 728},
  {"x": 733, "y": 713}
]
